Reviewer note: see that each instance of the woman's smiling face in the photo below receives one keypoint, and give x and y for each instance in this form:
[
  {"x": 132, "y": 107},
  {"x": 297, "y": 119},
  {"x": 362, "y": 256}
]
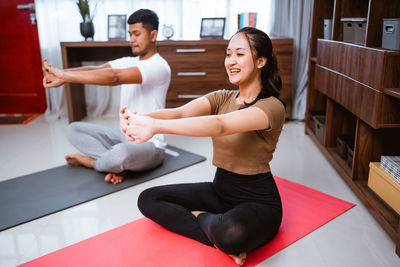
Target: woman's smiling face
[{"x": 239, "y": 62}]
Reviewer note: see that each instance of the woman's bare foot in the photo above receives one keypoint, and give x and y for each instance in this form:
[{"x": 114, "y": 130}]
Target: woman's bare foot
[
  {"x": 115, "y": 178},
  {"x": 79, "y": 159},
  {"x": 239, "y": 259},
  {"x": 196, "y": 212}
]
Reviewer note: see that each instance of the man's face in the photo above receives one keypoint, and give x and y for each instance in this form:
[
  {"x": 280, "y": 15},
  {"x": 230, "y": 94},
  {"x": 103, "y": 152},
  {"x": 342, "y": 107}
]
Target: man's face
[{"x": 140, "y": 38}]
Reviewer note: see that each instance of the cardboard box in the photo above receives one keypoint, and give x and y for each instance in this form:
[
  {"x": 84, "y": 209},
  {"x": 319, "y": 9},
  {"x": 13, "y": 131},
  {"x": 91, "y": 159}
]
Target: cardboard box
[
  {"x": 311, "y": 118},
  {"x": 328, "y": 29},
  {"x": 354, "y": 30},
  {"x": 384, "y": 185},
  {"x": 350, "y": 154},
  {"x": 342, "y": 142},
  {"x": 391, "y": 34},
  {"x": 320, "y": 128}
]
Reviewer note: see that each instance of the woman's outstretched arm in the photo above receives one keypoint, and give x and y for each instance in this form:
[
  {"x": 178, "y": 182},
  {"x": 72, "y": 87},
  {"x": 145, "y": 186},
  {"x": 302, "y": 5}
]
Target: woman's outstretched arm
[{"x": 141, "y": 128}]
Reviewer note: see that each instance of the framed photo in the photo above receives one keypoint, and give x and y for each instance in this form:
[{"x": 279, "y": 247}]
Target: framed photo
[
  {"x": 212, "y": 28},
  {"x": 117, "y": 27}
]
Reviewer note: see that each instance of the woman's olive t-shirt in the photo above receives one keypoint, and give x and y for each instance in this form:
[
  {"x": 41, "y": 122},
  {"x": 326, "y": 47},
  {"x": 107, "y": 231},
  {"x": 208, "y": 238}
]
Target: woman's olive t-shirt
[{"x": 248, "y": 152}]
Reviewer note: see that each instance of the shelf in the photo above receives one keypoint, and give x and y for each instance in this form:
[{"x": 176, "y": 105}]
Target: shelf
[
  {"x": 395, "y": 92},
  {"x": 344, "y": 166},
  {"x": 339, "y": 76},
  {"x": 388, "y": 219},
  {"x": 340, "y": 165},
  {"x": 358, "y": 99},
  {"x": 385, "y": 215}
]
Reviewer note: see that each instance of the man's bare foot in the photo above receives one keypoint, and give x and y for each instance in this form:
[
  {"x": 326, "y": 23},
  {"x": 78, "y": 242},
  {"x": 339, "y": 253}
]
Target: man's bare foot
[
  {"x": 79, "y": 159},
  {"x": 196, "y": 212},
  {"x": 239, "y": 259},
  {"x": 115, "y": 178}
]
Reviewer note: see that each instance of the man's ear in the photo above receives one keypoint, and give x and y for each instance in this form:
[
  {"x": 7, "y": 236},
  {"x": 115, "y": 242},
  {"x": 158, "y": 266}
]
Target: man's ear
[
  {"x": 153, "y": 35},
  {"x": 261, "y": 61}
]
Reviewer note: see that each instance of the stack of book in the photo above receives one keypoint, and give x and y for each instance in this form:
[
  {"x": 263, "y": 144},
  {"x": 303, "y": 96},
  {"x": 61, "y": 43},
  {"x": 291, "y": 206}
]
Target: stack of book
[
  {"x": 391, "y": 164},
  {"x": 247, "y": 19}
]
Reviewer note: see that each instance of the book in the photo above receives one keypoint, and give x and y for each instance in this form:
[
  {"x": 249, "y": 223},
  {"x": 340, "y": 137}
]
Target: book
[
  {"x": 247, "y": 19},
  {"x": 391, "y": 164}
]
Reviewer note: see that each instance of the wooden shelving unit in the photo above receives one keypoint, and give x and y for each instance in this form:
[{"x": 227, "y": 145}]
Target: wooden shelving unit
[{"x": 358, "y": 89}]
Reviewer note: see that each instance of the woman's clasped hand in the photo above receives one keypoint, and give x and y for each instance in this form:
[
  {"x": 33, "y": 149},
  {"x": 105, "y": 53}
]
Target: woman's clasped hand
[{"x": 135, "y": 127}]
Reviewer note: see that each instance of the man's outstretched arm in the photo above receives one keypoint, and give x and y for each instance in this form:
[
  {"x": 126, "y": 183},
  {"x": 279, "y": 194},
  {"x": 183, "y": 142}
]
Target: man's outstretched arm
[{"x": 54, "y": 77}]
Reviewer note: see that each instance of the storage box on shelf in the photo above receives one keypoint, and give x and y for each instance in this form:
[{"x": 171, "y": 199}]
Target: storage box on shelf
[
  {"x": 320, "y": 128},
  {"x": 350, "y": 154},
  {"x": 328, "y": 29},
  {"x": 384, "y": 185},
  {"x": 312, "y": 118},
  {"x": 354, "y": 30},
  {"x": 358, "y": 89},
  {"x": 343, "y": 144},
  {"x": 391, "y": 34}
]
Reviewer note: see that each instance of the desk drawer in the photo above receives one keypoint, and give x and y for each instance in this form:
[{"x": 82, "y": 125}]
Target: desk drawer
[
  {"x": 186, "y": 94},
  {"x": 198, "y": 54},
  {"x": 196, "y": 70},
  {"x": 196, "y": 85},
  {"x": 200, "y": 74}
]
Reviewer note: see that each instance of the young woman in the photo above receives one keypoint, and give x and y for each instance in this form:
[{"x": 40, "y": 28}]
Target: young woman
[{"x": 241, "y": 209}]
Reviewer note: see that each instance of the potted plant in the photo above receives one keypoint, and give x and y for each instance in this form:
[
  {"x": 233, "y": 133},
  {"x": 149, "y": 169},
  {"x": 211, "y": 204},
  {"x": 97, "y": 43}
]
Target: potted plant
[{"x": 86, "y": 26}]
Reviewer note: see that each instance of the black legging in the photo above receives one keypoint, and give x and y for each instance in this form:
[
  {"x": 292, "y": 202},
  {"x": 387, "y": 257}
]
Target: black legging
[{"x": 244, "y": 212}]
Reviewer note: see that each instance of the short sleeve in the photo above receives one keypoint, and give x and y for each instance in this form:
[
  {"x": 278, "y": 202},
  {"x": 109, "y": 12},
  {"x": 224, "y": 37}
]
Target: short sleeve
[
  {"x": 154, "y": 71},
  {"x": 212, "y": 98},
  {"x": 218, "y": 98},
  {"x": 124, "y": 62},
  {"x": 275, "y": 111}
]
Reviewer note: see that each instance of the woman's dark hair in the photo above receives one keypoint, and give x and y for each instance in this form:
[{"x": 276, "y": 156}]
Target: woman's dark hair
[
  {"x": 261, "y": 46},
  {"x": 147, "y": 17}
]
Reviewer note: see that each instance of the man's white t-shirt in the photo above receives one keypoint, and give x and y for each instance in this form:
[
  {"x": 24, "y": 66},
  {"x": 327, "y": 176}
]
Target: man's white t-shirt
[{"x": 151, "y": 94}]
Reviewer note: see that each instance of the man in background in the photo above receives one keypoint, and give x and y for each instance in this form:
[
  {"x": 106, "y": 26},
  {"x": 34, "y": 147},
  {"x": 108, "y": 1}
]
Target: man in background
[{"x": 144, "y": 79}]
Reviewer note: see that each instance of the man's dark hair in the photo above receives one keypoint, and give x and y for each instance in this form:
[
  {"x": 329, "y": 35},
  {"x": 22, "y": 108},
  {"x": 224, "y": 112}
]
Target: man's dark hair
[{"x": 147, "y": 17}]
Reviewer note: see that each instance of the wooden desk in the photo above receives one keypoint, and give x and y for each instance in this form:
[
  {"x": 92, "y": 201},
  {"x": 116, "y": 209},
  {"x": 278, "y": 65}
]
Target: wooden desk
[{"x": 210, "y": 64}]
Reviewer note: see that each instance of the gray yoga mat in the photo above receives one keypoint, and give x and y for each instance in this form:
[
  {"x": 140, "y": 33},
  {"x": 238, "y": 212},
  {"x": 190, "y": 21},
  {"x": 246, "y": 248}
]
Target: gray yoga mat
[{"x": 35, "y": 195}]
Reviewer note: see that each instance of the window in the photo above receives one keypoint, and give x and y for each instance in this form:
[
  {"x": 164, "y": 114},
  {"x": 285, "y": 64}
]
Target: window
[{"x": 184, "y": 15}]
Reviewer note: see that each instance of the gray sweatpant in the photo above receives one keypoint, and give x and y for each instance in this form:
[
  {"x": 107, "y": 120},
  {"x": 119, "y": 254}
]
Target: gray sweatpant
[{"x": 113, "y": 153}]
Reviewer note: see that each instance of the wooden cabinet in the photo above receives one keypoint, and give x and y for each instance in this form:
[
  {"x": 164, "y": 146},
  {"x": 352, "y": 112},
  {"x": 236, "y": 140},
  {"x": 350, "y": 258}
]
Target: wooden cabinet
[
  {"x": 356, "y": 76},
  {"x": 197, "y": 68},
  {"x": 358, "y": 89}
]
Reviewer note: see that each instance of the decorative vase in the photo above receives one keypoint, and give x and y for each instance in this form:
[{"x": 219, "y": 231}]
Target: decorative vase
[{"x": 87, "y": 30}]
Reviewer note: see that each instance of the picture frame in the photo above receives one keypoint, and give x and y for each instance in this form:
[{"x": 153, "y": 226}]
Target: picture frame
[
  {"x": 116, "y": 29},
  {"x": 212, "y": 28}
]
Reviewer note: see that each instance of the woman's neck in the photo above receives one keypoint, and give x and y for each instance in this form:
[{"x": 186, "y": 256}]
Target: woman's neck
[{"x": 249, "y": 92}]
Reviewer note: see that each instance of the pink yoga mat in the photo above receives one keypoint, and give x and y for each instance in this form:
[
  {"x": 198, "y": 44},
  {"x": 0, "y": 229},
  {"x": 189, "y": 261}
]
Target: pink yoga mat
[{"x": 144, "y": 243}]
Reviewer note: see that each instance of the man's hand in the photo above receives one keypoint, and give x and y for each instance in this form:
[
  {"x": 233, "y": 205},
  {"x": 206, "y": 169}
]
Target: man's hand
[{"x": 52, "y": 77}]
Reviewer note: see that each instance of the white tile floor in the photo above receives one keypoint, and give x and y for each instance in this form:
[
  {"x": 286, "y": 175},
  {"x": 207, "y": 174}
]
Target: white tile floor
[{"x": 352, "y": 239}]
